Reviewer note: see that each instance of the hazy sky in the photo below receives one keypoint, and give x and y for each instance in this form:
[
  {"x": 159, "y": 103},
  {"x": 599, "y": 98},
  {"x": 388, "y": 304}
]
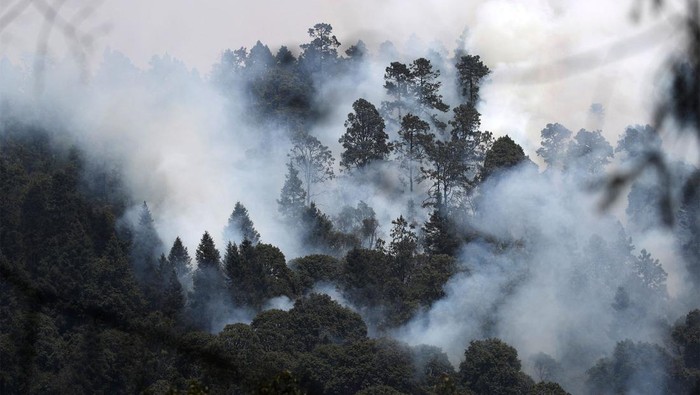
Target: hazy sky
[
  {"x": 521, "y": 41},
  {"x": 197, "y": 32}
]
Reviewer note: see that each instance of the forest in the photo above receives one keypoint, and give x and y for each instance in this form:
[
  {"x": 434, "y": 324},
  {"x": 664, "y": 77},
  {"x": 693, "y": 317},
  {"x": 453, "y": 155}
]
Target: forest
[{"x": 366, "y": 234}]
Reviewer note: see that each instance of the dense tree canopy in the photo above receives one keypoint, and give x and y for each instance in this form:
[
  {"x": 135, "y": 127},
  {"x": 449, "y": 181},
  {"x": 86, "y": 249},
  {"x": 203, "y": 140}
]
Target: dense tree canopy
[
  {"x": 364, "y": 140},
  {"x": 93, "y": 302}
]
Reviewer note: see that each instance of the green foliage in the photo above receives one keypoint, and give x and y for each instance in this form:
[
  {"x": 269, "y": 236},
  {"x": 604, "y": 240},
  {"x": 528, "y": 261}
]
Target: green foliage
[
  {"x": 440, "y": 235},
  {"x": 208, "y": 285},
  {"x": 313, "y": 269},
  {"x": 404, "y": 242},
  {"x": 364, "y": 140},
  {"x": 313, "y": 159},
  {"x": 492, "y": 367},
  {"x": 240, "y": 226},
  {"x": 637, "y": 141},
  {"x": 322, "y": 52},
  {"x": 359, "y": 221},
  {"x": 397, "y": 79},
  {"x": 639, "y": 368},
  {"x": 685, "y": 336},
  {"x": 424, "y": 87},
  {"x": 547, "y": 388},
  {"x": 257, "y": 273},
  {"x": 319, "y": 236},
  {"x": 471, "y": 71},
  {"x": 207, "y": 255},
  {"x": 179, "y": 259},
  {"x": 362, "y": 365},
  {"x": 589, "y": 152},
  {"x": 292, "y": 196},
  {"x": 314, "y": 320},
  {"x": 394, "y": 286},
  {"x": 414, "y": 136},
  {"x": 446, "y": 168},
  {"x": 504, "y": 154},
  {"x": 555, "y": 138}
]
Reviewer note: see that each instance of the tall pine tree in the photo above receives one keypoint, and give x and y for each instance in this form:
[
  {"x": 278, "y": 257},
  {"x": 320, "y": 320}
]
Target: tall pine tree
[
  {"x": 364, "y": 140},
  {"x": 240, "y": 226}
]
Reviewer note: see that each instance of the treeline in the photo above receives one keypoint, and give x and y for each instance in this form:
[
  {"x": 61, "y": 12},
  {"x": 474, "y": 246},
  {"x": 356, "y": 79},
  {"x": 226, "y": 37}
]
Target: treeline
[{"x": 93, "y": 303}]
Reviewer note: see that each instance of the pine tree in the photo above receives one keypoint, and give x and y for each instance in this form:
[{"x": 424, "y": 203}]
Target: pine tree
[
  {"x": 505, "y": 153},
  {"x": 172, "y": 299},
  {"x": 146, "y": 243},
  {"x": 446, "y": 168},
  {"x": 471, "y": 141},
  {"x": 180, "y": 259},
  {"x": 234, "y": 270},
  {"x": 471, "y": 71},
  {"x": 589, "y": 152},
  {"x": 207, "y": 255},
  {"x": 240, "y": 226},
  {"x": 554, "y": 140},
  {"x": 292, "y": 197},
  {"x": 208, "y": 285},
  {"x": 146, "y": 246},
  {"x": 313, "y": 159},
  {"x": 364, "y": 140},
  {"x": 321, "y": 54},
  {"x": 439, "y": 234},
  {"x": 404, "y": 242},
  {"x": 414, "y": 136},
  {"x": 396, "y": 82},
  {"x": 424, "y": 88}
]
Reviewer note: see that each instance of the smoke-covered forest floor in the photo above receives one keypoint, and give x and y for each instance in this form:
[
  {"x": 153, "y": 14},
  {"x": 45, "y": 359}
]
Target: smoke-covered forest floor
[{"x": 334, "y": 219}]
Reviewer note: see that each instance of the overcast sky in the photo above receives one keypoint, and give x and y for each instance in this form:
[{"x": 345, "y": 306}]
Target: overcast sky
[
  {"x": 197, "y": 32},
  {"x": 520, "y": 40}
]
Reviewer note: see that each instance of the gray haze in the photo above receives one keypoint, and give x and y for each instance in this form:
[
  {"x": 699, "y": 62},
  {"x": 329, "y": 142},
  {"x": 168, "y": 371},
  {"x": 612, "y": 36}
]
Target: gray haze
[{"x": 186, "y": 150}]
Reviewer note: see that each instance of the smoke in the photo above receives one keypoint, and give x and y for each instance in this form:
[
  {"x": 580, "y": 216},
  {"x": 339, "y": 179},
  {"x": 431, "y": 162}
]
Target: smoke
[
  {"x": 556, "y": 282},
  {"x": 553, "y": 283}
]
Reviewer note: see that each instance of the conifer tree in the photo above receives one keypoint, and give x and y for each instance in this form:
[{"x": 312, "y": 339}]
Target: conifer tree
[
  {"x": 471, "y": 71},
  {"x": 554, "y": 140},
  {"x": 313, "y": 159},
  {"x": 439, "y": 233},
  {"x": 396, "y": 82},
  {"x": 404, "y": 242},
  {"x": 292, "y": 197},
  {"x": 207, "y": 299},
  {"x": 414, "y": 136},
  {"x": 146, "y": 242},
  {"x": 207, "y": 255},
  {"x": 235, "y": 271},
  {"x": 240, "y": 226},
  {"x": 172, "y": 299},
  {"x": 364, "y": 140},
  {"x": 180, "y": 259},
  {"x": 424, "y": 88},
  {"x": 146, "y": 246}
]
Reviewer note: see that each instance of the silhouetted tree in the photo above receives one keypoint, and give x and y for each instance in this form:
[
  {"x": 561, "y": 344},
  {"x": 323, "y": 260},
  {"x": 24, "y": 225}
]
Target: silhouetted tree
[
  {"x": 292, "y": 197},
  {"x": 471, "y": 71},
  {"x": 313, "y": 159},
  {"x": 414, "y": 136},
  {"x": 424, "y": 88},
  {"x": 206, "y": 301},
  {"x": 555, "y": 138},
  {"x": 491, "y": 366},
  {"x": 589, "y": 152},
  {"x": 240, "y": 225},
  {"x": 504, "y": 154},
  {"x": 364, "y": 140},
  {"x": 321, "y": 53},
  {"x": 397, "y": 79},
  {"x": 180, "y": 260}
]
